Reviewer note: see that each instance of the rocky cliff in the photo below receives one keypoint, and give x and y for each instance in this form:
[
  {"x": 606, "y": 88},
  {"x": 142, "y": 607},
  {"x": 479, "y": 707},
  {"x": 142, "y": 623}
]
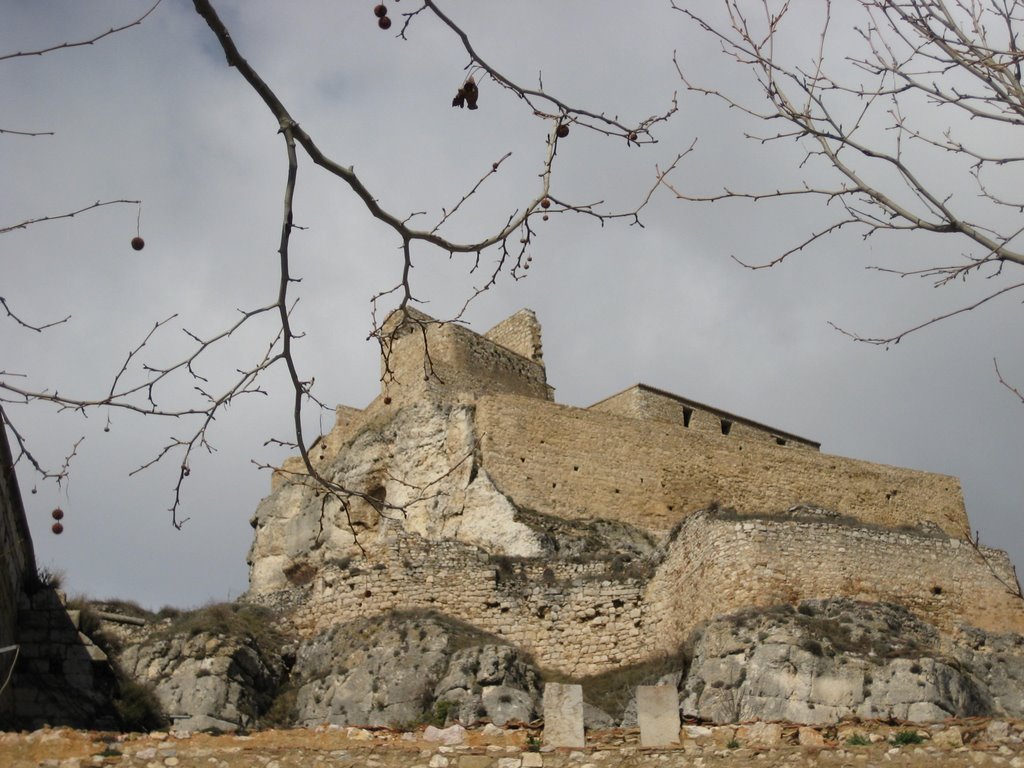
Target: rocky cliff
[{"x": 821, "y": 661}]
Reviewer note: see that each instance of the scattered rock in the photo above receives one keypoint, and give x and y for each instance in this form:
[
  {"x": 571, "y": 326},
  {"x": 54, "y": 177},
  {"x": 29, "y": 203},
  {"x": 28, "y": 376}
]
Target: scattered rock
[{"x": 453, "y": 734}]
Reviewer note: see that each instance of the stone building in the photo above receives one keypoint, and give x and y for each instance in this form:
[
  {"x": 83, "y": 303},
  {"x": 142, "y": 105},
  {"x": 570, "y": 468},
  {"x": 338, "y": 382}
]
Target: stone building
[{"x": 594, "y": 537}]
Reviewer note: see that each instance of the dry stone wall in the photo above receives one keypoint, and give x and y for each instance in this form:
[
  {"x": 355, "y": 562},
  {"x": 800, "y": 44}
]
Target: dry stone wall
[
  {"x": 717, "y": 565},
  {"x": 573, "y": 617},
  {"x": 580, "y": 464},
  {"x": 584, "y": 618}
]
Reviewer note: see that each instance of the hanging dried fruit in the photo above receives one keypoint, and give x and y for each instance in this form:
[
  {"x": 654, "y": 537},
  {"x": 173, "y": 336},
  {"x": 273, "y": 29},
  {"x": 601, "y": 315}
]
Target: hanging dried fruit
[{"x": 467, "y": 95}]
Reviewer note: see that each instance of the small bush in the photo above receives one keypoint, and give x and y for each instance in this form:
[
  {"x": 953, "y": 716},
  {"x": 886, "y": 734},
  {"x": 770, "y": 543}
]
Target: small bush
[
  {"x": 813, "y": 647},
  {"x": 732, "y": 744},
  {"x": 50, "y": 578},
  {"x": 299, "y": 573},
  {"x": 281, "y": 712},
  {"x": 438, "y": 716},
  {"x": 857, "y": 740},
  {"x": 903, "y": 738},
  {"x": 138, "y": 707}
]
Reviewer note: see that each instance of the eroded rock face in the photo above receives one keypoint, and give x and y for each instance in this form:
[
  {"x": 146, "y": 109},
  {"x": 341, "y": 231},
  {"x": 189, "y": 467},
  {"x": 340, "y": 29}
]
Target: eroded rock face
[
  {"x": 418, "y": 466},
  {"x": 400, "y": 669},
  {"x": 206, "y": 680},
  {"x": 832, "y": 659},
  {"x": 490, "y": 681}
]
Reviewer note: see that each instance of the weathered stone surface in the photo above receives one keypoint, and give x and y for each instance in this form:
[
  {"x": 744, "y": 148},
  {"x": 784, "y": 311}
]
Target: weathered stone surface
[
  {"x": 402, "y": 669},
  {"x": 760, "y": 734},
  {"x": 490, "y": 681},
  {"x": 206, "y": 680},
  {"x": 563, "y": 715},
  {"x": 453, "y": 734},
  {"x": 596, "y": 719},
  {"x": 835, "y": 659},
  {"x": 657, "y": 708},
  {"x": 369, "y": 674}
]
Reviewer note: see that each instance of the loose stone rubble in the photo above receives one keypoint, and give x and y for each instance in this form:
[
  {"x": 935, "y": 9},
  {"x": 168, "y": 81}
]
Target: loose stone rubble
[{"x": 962, "y": 744}]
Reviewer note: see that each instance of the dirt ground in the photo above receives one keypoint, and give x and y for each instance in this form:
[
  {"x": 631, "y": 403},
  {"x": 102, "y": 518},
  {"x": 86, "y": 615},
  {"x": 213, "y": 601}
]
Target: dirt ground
[{"x": 514, "y": 748}]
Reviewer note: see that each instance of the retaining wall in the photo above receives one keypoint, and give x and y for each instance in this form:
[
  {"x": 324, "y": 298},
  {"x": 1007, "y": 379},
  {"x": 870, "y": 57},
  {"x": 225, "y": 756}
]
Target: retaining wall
[{"x": 586, "y": 618}]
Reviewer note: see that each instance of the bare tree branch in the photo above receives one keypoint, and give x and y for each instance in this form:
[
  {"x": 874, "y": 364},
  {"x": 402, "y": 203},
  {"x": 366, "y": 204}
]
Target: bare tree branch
[
  {"x": 95, "y": 39},
  {"x": 55, "y": 217},
  {"x": 928, "y": 77}
]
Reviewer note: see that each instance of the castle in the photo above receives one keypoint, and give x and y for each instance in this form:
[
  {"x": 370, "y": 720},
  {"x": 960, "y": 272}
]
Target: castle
[{"x": 594, "y": 537}]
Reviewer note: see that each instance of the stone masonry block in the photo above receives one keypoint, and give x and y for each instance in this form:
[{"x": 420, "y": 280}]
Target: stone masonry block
[
  {"x": 563, "y": 715},
  {"x": 657, "y": 711}
]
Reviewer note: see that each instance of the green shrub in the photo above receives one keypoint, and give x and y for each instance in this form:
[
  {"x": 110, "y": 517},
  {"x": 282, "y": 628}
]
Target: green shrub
[
  {"x": 281, "y": 713},
  {"x": 857, "y": 740},
  {"x": 732, "y": 744},
  {"x": 903, "y": 738},
  {"x": 439, "y": 715},
  {"x": 138, "y": 707}
]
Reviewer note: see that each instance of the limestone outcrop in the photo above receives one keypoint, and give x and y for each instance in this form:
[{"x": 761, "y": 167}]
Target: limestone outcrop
[
  {"x": 828, "y": 660},
  {"x": 217, "y": 668},
  {"x": 407, "y": 669}
]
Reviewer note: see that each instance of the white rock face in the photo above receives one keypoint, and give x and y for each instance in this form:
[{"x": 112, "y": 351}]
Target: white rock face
[
  {"x": 488, "y": 520},
  {"x": 418, "y": 466}
]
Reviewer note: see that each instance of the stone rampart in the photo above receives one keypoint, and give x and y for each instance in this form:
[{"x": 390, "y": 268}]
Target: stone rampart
[
  {"x": 577, "y": 618},
  {"x": 719, "y": 564},
  {"x": 586, "y": 618},
  {"x": 519, "y": 333},
  {"x": 582, "y": 464}
]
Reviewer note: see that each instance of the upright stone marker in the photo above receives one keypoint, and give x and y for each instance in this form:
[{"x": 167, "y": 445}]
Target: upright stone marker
[
  {"x": 657, "y": 711},
  {"x": 563, "y": 715}
]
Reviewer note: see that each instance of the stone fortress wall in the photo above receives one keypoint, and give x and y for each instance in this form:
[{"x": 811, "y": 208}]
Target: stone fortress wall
[
  {"x": 648, "y": 403},
  {"x": 660, "y": 463},
  {"x": 587, "y": 618},
  {"x": 421, "y": 357},
  {"x": 581, "y": 464}
]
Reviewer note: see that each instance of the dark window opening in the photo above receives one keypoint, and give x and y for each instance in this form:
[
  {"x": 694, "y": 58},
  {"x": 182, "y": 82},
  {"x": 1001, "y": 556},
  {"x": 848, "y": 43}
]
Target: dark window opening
[
  {"x": 687, "y": 415},
  {"x": 780, "y": 441},
  {"x": 726, "y": 426}
]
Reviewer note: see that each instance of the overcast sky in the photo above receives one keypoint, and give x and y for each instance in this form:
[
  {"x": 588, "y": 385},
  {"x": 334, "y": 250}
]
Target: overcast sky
[{"x": 153, "y": 113}]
